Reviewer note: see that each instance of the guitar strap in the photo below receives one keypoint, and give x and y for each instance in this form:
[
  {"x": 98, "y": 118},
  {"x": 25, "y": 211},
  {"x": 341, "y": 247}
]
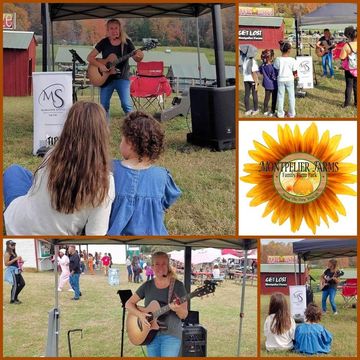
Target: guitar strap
[{"x": 171, "y": 289}]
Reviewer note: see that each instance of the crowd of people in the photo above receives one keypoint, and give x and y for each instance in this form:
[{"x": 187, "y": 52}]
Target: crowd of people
[{"x": 280, "y": 74}]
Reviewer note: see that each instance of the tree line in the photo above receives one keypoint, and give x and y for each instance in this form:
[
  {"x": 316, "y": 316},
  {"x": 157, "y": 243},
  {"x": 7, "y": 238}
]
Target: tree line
[{"x": 169, "y": 31}]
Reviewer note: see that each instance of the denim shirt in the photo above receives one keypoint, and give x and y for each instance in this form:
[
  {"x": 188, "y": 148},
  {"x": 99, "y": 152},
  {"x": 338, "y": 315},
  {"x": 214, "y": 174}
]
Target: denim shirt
[
  {"x": 141, "y": 198},
  {"x": 8, "y": 276}
]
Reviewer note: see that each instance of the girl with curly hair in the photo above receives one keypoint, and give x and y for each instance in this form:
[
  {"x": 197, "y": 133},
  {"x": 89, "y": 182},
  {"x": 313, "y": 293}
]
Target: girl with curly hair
[
  {"x": 143, "y": 191},
  {"x": 72, "y": 190}
]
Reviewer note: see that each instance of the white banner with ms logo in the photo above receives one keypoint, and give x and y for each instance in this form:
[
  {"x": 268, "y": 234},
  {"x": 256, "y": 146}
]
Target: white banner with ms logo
[
  {"x": 52, "y": 93},
  {"x": 305, "y": 71},
  {"x": 297, "y": 300}
]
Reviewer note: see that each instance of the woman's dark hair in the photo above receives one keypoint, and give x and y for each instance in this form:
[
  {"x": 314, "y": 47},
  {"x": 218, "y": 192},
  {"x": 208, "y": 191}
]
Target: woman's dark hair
[
  {"x": 9, "y": 249},
  {"x": 313, "y": 313},
  {"x": 145, "y": 135},
  {"x": 267, "y": 54},
  {"x": 350, "y": 33},
  {"x": 284, "y": 46},
  {"x": 279, "y": 307}
]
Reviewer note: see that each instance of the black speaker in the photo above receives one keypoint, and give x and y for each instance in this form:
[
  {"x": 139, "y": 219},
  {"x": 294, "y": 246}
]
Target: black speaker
[
  {"x": 213, "y": 117},
  {"x": 192, "y": 318},
  {"x": 193, "y": 343}
]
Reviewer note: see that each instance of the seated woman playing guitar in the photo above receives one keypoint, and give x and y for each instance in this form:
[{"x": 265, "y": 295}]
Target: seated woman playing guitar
[
  {"x": 163, "y": 289},
  {"x": 328, "y": 284},
  {"x": 324, "y": 48}
]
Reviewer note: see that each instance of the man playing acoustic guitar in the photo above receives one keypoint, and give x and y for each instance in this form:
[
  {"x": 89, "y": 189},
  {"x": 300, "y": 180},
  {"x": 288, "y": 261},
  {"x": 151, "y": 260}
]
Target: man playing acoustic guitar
[
  {"x": 115, "y": 45},
  {"x": 165, "y": 289},
  {"x": 324, "y": 48},
  {"x": 328, "y": 284}
]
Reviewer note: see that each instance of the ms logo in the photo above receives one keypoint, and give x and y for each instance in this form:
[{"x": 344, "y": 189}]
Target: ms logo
[
  {"x": 304, "y": 67},
  {"x": 298, "y": 297},
  {"x": 52, "y": 96}
]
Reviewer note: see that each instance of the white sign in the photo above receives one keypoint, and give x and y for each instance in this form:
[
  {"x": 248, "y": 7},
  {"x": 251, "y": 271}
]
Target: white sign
[
  {"x": 305, "y": 71},
  {"x": 52, "y": 101},
  {"x": 297, "y": 300}
]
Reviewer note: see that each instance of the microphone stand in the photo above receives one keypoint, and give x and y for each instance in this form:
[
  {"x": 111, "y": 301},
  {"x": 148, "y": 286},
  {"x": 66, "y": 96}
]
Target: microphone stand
[{"x": 125, "y": 295}]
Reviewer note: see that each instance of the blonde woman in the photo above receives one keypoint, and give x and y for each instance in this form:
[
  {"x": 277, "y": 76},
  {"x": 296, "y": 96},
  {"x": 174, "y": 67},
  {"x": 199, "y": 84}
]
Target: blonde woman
[
  {"x": 72, "y": 190},
  {"x": 330, "y": 279},
  {"x": 119, "y": 44},
  {"x": 166, "y": 342}
]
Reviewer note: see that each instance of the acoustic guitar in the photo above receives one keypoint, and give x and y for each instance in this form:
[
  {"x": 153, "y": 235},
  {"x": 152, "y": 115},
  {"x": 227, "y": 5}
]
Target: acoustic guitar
[
  {"x": 139, "y": 335},
  {"x": 325, "y": 280},
  {"x": 98, "y": 78},
  {"x": 322, "y": 50}
]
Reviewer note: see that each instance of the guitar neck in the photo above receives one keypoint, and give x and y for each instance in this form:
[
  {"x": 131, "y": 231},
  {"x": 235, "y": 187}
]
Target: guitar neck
[
  {"x": 125, "y": 57},
  {"x": 163, "y": 310}
]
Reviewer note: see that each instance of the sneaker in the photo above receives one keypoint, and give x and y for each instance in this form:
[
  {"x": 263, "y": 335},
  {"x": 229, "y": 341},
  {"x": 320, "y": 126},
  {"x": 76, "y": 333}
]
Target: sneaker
[
  {"x": 255, "y": 112},
  {"x": 71, "y": 290},
  {"x": 74, "y": 298},
  {"x": 247, "y": 113},
  {"x": 279, "y": 116},
  {"x": 18, "y": 301},
  {"x": 290, "y": 115},
  {"x": 268, "y": 113},
  {"x": 335, "y": 313},
  {"x": 59, "y": 290}
]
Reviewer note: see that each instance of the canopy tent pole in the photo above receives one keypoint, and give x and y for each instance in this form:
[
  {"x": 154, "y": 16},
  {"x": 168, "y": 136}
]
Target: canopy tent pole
[
  {"x": 187, "y": 271},
  {"x": 299, "y": 274},
  {"x": 198, "y": 48},
  {"x": 52, "y": 46},
  {"x": 218, "y": 45},
  {"x": 242, "y": 299},
  {"x": 45, "y": 20},
  {"x": 52, "y": 345},
  {"x": 297, "y": 39}
]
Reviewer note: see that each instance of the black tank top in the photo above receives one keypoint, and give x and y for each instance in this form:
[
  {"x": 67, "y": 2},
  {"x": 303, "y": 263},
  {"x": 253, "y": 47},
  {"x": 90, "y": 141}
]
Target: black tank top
[{"x": 14, "y": 263}]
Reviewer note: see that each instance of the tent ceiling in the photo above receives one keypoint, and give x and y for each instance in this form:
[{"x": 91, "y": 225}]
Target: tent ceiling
[
  {"x": 244, "y": 244},
  {"x": 337, "y": 13},
  {"x": 325, "y": 248},
  {"x": 73, "y": 11}
]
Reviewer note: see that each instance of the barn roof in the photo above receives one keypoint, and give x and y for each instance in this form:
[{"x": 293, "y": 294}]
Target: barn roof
[
  {"x": 263, "y": 21},
  {"x": 169, "y": 58},
  {"x": 179, "y": 70},
  {"x": 17, "y": 39}
]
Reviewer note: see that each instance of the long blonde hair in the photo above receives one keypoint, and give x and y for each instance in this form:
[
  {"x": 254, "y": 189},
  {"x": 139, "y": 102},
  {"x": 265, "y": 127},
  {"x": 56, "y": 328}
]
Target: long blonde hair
[
  {"x": 79, "y": 165},
  {"x": 123, "y": 35},
  {"x": 171, "y": 271}
]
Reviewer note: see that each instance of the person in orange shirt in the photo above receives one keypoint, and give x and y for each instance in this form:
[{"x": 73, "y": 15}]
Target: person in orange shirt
[{"x": 91, "y": 264}]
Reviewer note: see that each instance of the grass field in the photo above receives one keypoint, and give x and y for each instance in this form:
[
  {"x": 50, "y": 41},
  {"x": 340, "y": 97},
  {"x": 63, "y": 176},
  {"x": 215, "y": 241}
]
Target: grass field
[
  {"x": 206, "y": 178},
  {"x": 99, "y": 314},
  {"x": 343, "y": 326},
  {"x": 323, "y": 101}
]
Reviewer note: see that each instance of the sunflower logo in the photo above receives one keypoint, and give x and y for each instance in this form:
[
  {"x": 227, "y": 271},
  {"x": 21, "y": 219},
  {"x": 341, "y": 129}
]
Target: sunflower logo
[{"x": 299, "y": 177}]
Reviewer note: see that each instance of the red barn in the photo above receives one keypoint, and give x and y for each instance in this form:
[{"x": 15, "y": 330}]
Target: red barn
[
  {"x": 19, "y": 54},
  {"x": 264, "y": 32},
  {"x": 278, "y": 277}
]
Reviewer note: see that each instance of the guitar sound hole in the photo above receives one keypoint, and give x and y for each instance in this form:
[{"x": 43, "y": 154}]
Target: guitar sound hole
[{"x": 139, "y": 324}]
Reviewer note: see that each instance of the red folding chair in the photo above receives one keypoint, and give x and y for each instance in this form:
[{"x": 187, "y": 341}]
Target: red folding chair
[
  {"x": 149, "y": 85},
  {"x": 349, "y": 292}
]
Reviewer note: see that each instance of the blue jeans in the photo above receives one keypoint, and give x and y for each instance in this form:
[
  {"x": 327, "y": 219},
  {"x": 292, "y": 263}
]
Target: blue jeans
[
  {"x": 164, "y": 346},
  {"x": 123, "y": 89},
  {"x": 75, "y": 284},
  {"x": 17, "y": 182},
  {"x": 289, "y": 86},
  {"x": 326, "y": 60},
  {"x": 331, "y": 292}
]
